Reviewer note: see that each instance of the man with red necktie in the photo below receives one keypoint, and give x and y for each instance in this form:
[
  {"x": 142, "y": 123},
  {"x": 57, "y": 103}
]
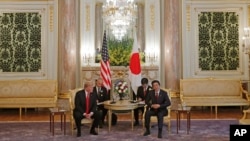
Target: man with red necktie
[
  {"x": 157, "y": 102},
  {"x": 141, "y": 95},
  {"x": 86, "y": 107}
]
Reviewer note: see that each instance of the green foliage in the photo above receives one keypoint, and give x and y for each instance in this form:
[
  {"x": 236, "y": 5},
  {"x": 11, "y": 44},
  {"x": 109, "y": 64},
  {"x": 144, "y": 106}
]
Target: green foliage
[{"x": 119, "y": 51}]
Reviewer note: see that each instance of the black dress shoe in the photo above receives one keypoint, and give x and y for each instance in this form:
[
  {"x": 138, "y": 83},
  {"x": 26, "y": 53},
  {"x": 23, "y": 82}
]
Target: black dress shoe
[
  {"x": 146, "y": 133},
  {"x": 93, "y": 132},
  {"x": 159, "y": 136},
  {"x": 136, "y": 123},
  {"x": 78, "y": 135}
]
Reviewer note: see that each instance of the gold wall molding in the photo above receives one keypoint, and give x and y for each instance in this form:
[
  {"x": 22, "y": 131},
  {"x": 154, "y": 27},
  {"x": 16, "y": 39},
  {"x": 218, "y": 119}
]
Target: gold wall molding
[
  {"x": 51, "y": 18},
  {"x": 152, "y": 17},
  {"x": 87, "y": 17},
  {"x": 188, "y": 18},
  {"x": 248, "y": 10},
  {"x": 22, "y": 0}
]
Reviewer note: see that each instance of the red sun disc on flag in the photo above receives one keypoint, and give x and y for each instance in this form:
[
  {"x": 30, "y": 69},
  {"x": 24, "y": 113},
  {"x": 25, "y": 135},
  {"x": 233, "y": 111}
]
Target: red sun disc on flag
[{"x": 134, "y": 65}]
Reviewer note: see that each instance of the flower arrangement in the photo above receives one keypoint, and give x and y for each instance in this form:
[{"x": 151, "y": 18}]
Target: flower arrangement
[{"x": 121, "y": 88}]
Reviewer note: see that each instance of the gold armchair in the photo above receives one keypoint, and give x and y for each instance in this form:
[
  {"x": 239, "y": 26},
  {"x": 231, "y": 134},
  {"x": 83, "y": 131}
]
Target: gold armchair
[
  {"x": 166, "y": 119},
  {"x": 246, "y": 117},
  {"x": 72, "y": 106}
]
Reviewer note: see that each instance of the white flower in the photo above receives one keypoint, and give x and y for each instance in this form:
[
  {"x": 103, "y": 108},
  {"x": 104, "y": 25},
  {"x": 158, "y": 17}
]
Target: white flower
[{"x": 121, "y": 87}]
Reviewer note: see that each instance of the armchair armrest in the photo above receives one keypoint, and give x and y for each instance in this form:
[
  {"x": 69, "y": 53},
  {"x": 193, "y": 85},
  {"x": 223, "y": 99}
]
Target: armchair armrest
[
  {"x": 246, "y": 114},
  {"x": 245, "y": 94}
]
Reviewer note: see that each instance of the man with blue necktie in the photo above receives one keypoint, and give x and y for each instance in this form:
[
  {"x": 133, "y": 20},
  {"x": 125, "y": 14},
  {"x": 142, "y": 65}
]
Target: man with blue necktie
[
  {"x": 102, "y": 95},
  {"x": 157, "y": 102}
]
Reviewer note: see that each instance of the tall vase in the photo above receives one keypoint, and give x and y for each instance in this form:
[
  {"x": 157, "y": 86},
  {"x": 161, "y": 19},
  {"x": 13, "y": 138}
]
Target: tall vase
[{"x": 121, "y": 96}]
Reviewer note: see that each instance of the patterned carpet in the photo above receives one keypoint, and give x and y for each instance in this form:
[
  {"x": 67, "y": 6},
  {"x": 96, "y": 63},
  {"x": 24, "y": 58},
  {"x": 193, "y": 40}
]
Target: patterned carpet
[{"x": 201, "y": 130}]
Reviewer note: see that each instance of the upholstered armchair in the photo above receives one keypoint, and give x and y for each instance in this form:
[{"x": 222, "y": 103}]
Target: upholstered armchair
[
  {"x": 121, "y": 87},
  {"x": 167, "y": 118},
  {"x": 246, "y": 117},
  {"x": 72, "y": 106}
]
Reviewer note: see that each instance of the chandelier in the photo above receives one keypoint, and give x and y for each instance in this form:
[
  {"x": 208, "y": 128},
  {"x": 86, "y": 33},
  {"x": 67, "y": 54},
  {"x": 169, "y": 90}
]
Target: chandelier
[
  {"x": 246, "y": 40},
  {"x": 119, "y": 16}
]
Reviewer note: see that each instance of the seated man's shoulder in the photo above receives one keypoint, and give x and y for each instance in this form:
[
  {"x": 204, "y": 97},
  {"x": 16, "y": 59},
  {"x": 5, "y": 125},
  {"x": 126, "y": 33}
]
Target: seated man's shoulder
[{"x": 80, "y": 91}]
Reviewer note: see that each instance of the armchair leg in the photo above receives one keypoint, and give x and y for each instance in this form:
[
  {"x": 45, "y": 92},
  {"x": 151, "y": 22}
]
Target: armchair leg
[{"x": 169, "y": 130}]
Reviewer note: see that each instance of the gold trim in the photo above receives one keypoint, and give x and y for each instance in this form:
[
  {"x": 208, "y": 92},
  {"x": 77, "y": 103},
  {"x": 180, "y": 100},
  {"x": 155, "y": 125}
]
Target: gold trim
[
  {"x": 152, "y": 17},
  {"x": 87, "y": 17},
  {"x": 248, "y": 9},
  {"x": 188, "y": 17},
  {"x": 22, "y": 0},
  {"x": 51, "y": 18}
]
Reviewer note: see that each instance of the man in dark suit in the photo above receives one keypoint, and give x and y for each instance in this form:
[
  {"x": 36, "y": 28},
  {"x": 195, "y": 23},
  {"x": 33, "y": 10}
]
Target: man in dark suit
[
  {"x": 102, "y": 95},
  {"x": 141, "y": 95},
  {"x": 157, "y": 102},
  {"x": 86, "y": 107}
]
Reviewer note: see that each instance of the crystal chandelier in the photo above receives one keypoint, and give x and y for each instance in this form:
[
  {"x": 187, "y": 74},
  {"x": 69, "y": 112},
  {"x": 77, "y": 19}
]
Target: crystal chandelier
[{"x": 120, "y": 16}]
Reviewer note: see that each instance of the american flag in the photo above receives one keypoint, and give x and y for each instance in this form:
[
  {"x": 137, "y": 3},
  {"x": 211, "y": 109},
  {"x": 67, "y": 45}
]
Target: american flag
[{"x": 105, "y": 66}]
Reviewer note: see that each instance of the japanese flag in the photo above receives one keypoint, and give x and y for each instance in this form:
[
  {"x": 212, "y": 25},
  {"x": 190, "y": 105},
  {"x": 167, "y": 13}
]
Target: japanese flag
[{"x": 135, "y": 67}]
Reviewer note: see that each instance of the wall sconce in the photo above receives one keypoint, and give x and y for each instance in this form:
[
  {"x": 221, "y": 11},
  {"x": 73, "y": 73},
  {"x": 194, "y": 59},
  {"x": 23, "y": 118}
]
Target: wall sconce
[
  {"x": 246, "y": 40},
  {"x": 151, "y": 57},
  {"x": 87, "y": 58}
]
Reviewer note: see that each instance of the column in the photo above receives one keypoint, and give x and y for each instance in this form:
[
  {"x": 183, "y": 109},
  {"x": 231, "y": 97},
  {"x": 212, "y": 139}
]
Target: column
[
  {"x": 98, "y": 29},
  {"x": 67, "y": 45},
  {"x": 172, "y": 43}
]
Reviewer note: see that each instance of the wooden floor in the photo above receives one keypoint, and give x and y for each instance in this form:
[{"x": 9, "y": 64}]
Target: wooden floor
[
  {"x": 12, "y": 115},
  {"x": 42, "y": 114}
]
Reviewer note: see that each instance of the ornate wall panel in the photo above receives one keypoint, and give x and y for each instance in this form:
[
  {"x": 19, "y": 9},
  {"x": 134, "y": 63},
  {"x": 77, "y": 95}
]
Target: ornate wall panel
[
  {"x": 20, "y": 46},
  {"x": 218, "y": 41},
  {"x": 28, "y": 39},
  {"x": 212, "y": 39}
]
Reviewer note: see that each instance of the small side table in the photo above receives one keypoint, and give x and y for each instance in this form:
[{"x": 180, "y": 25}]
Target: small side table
[
  {"x": 178, "y": 112},
  {"x": 62, "y": 113}
]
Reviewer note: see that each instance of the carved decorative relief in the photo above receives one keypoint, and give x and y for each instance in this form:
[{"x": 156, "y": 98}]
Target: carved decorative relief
[{"x": 92, "y": 73}]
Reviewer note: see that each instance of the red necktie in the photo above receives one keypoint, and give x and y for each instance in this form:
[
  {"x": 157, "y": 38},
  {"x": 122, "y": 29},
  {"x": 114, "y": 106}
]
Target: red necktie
[
  {"x": 87, "y": 104},
  {"x": 156, "y": 100},
  {"x": 156, "y": 97},
  {"x": 144, "y": 92}
]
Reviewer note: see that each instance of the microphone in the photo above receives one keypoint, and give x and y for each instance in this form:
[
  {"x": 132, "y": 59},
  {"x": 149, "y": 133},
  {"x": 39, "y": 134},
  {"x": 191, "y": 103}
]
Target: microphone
[{"x": 113, "y": 102}]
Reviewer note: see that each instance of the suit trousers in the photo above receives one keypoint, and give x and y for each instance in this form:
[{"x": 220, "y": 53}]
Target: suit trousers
[
  {"x": 159, "y": 113},
  {"x": 136, "y": 113},
  {"x": 79, "y": 116},
  {"x": 103, "y": 112}
]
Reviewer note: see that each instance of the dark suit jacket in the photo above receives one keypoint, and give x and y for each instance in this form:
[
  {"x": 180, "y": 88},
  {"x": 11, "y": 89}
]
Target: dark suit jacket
[
  {"x": 80, "y": 102},
  {"x": 102, "y": 95},
  {"x": 163, "y": 100},
  {"x": 140, "y": 92}
]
